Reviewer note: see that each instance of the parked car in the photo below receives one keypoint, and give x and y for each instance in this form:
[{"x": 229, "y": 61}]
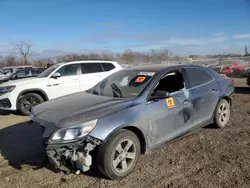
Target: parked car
[
  {"x": 6, "y": 71},
  {"x": 239, "y": 65},
  {"x": 223, "y": 69},
  {"x": 129, "y": 113},
  {"x": 248, "y": 78},
  {"x": 21, "y": 74},
  {"x": 245, "y": 72},
  {"x": 56, "y": 81}
]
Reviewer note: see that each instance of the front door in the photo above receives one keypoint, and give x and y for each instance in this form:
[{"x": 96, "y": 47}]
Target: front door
[
  {"x": 67, "y": 83},
  {"x": 170, "y": 117}
]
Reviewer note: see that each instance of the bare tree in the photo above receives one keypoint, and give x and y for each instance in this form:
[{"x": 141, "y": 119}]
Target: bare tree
[
  {"x": 1, "y": 60},
  {"x": 10, "y": 61},
  {"x": 24, "y": 49}
]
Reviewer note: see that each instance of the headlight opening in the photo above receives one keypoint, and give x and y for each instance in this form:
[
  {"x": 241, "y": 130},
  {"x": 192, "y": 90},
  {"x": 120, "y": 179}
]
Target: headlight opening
[{"x": 74, "y": 132}]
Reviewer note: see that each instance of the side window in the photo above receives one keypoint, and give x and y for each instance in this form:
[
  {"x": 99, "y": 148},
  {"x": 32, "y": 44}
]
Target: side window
[
  {"x": 197, "y": 77},
  {"x": 68, "y": 70},
  {"x": 171, "y": 83},
  {"x": 91, "y": 68},
  {"x": 20, "y": 74},
  {"x": 35, "y": 72},
  {"x": 108, "y": 66}
]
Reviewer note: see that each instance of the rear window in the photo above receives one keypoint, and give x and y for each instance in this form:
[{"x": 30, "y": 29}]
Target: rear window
[
  {"x": 108, "y": 66},
  {"x": 217, "y": 69},
  {"x": 88, "y": 68},
  {"x": 7, "y": 70},
  {"x": 197, "y": 77}
]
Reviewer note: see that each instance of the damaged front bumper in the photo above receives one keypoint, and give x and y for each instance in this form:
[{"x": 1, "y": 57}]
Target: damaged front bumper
[{"x": 72, "y": 157}]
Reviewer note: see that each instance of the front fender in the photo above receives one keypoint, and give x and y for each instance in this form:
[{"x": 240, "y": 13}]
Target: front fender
[{"x": 131, "y": 118}]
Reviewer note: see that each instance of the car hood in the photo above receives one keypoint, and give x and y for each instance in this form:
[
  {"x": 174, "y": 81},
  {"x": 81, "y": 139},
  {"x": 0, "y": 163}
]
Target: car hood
[
  {"x": 76, "y": 108},
  {"x": 24, "y": 81},
  {"x": 3, "y": 76}
]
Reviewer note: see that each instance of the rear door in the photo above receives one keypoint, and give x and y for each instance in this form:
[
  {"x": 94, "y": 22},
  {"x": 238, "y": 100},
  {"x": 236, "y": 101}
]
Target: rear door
[
  {"x": 204, "y": 90},
  {"x": 91, "y": 74},
  {"x": 68, "y": 83}
]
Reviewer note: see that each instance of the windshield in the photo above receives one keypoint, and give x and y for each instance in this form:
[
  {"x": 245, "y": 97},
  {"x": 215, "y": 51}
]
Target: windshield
[
  {"x": 241, "y": 62},
  {"x": 48, "y": 71},
  {"x": 122, "y": 84},
  {"x": 7, "y": 71}
]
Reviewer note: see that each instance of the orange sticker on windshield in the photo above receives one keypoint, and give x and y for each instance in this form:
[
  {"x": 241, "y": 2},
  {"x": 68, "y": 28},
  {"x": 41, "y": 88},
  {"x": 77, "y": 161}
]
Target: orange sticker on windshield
[
  {"x": 140, "y": 79},
  {"x": 170, "y": 102}
]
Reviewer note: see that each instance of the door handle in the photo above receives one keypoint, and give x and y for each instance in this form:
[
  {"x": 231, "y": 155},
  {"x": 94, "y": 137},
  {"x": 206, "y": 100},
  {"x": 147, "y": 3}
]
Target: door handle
[
  {"x": 186, "y": 102},
  {"x": 75, "y": 79},
  {"x": 214, "y": 90}
]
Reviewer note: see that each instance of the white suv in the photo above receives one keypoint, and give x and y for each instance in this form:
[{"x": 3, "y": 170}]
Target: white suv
[{"x": 58, "y": 80}]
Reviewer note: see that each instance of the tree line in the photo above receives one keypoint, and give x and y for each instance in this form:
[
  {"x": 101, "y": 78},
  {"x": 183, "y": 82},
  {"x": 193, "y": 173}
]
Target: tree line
[{"x": 24, "y": 49}]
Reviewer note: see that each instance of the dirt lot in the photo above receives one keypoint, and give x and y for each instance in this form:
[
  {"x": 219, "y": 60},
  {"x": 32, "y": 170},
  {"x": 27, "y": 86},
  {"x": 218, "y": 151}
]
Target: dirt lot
[{"x": 205, "y": 158}]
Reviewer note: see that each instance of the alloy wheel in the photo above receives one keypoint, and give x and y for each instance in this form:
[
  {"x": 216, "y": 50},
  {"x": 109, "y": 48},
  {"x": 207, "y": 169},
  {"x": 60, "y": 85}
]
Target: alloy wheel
[
  {"x": 223, "y": 114},
  {"x": 125, "y": 154}
]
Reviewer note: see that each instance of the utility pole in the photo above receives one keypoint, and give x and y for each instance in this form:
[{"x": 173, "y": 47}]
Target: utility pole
[{"x": 246, "y": 52}]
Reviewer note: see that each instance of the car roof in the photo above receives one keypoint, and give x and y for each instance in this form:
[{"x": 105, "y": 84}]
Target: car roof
[
  {"x": 161, "y": 67},
  {"x": 18, "y": 66},
  {"x": 87, "y": 61}
]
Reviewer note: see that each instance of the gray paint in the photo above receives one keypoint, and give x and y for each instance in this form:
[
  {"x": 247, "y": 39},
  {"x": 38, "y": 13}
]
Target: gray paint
[{"x": 154, "y": 119}]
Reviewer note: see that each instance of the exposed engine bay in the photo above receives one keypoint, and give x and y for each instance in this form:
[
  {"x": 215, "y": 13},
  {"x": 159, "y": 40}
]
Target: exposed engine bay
[{"x": 72, "y": 157}]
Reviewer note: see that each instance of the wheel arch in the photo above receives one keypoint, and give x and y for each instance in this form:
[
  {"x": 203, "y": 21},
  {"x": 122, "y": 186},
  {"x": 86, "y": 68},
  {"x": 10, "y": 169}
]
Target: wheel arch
[
  {"x": 227, "y": 98},
  {"x": 34, "y": 90},
  {"x": 137, "y": 131}
]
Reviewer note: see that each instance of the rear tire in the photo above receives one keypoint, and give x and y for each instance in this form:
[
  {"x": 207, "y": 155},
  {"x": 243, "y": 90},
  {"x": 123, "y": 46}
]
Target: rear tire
[
  {"x": 222, "y": 114},
  {"x": 118, "y": 157},
  {"x": 27, "y": 101}
]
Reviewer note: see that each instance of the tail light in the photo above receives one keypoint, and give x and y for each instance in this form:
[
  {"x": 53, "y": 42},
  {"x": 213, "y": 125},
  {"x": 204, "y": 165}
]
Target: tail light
[
  {"x": 223, "y": 76},
  {"x": 232, "y": 80},
  {"x": 226, "y": 77}
]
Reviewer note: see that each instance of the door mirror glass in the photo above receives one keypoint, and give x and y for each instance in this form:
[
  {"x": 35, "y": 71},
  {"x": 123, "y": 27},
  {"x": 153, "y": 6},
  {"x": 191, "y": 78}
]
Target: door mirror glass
[
  {"x": 160, "y": 95},
  {"x": 56, "y": 75}
]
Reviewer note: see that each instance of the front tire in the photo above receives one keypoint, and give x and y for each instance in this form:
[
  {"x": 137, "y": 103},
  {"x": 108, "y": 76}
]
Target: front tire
[
  {"x": 118, "y": 157},
  {"x": 222, "y": 113},
  {"x": 27, "y": 101}
]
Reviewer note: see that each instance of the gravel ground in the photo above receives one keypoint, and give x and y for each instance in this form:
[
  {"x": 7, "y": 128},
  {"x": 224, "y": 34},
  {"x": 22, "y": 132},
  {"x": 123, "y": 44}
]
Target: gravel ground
[{"x": 205, "y": 158}]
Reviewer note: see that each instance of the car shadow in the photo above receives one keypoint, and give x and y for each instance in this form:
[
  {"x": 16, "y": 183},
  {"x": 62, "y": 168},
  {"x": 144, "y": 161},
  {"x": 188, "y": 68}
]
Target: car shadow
[
  {"x": 6, "y": 112},
  {"x": 242, "y": 90},
  {"x": 94, "y": 172},
  {"x": 22, "y": 144}
]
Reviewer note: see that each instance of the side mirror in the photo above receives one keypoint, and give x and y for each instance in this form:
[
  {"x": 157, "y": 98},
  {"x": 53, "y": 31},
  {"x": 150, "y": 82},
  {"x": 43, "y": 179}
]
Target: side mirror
[
  {"x": 160, "y": 95},
  {"x": 56, "y": 75}
]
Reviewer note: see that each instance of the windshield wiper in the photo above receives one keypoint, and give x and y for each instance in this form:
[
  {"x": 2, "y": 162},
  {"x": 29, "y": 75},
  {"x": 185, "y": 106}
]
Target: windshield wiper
[
  {"x": 102, "y": 85},
  {"x": 116, "y": 90}
]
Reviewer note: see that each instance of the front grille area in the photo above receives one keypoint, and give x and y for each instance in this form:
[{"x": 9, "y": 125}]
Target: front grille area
[{"x": 5, "y": 103}]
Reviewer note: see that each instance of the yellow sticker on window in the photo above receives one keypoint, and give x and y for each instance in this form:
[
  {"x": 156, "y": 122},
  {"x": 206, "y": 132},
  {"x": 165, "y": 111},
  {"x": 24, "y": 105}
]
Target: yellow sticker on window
[{"x": 170, "y": 102}]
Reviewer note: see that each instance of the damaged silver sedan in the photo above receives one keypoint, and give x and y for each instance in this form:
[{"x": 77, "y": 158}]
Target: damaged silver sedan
[{"x": 129, "y": 113}]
